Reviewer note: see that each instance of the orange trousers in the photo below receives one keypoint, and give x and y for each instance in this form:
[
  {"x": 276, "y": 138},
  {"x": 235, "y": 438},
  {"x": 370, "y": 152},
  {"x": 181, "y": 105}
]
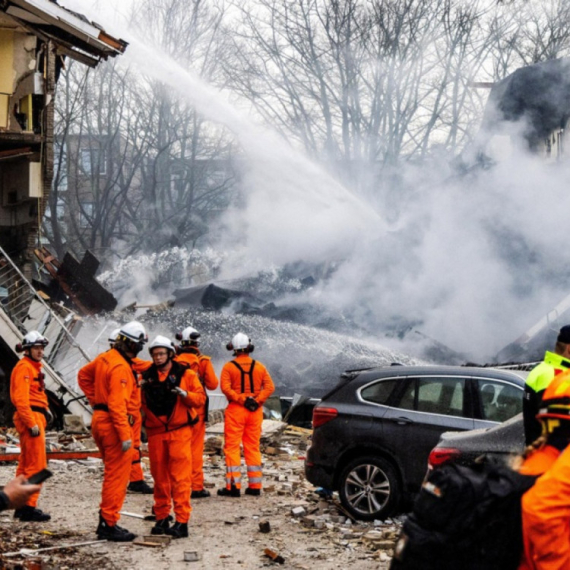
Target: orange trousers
[
  {"x": 136, "y": 465},
  {"x": 242, "y": 426},
  {"x": 117, "y": 466},
  {"x": 546, "y": 519},
  {"x": 32, "y": 451},
  {"x": 170, "y": 456},
  {"x": 198, "y": 436}
]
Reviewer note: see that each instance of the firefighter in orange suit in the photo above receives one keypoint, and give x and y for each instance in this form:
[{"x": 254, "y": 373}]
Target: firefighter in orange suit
[
  {"x": 189, "y": 353},
  {"x": 86, "y": 381},
  {"x": 546, "y": 506},
  {"x": 246, "y": 384},
  {"x": 28, "y": 395},
  {"x": 112, "y": 425},
  {"x": 171, "y": 392}
]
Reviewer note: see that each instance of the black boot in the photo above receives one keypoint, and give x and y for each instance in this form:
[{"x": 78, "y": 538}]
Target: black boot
[
  {"x": 141, "y": 487},
  {"x": 114, "y": 533},
  {"x": 178, "y": 530},
  {"x": 233, "y": 492},
  {"x": 254, "y": 492},
  {"x": 31, "y": 514},
  {"x": 160, "y": 527},
  {"x": 202, "y": 494}
]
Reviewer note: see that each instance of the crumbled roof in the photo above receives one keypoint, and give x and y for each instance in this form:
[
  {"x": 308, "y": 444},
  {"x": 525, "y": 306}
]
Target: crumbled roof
[
  {"x": 73, "y": 33},
  {"x": 540, "y": 93}
]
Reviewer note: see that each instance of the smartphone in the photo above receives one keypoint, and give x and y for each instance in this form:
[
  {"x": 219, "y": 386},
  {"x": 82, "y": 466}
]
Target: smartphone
[{"x": 39, "y": 477}]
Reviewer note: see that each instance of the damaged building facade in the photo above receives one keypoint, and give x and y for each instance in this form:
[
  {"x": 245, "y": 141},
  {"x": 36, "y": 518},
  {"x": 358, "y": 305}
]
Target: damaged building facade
[{"x": 36, "y": 39}]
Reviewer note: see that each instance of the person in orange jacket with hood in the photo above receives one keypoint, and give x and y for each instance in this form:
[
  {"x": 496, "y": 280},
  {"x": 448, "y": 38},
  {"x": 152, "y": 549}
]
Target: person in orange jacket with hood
[
  {"x": 86, "y": 381},
  {"x": 111, "y": 427},
  {"x": 247, "y": 385},
  {"x": 546, "y": 505},
  {"x": 171, "y": 392},
  {"x": 189, "y": 353},
  {"x": 28, "y": 395}
]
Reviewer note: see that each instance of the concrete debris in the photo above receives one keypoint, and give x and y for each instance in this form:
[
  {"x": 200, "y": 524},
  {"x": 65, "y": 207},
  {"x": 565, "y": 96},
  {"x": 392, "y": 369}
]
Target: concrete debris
[
  {"x": 74, "y": 424},
  {"x": 147, "y": 543},
  {"x": 191, "y": 556},
  {"x": 162, "y": 539}
]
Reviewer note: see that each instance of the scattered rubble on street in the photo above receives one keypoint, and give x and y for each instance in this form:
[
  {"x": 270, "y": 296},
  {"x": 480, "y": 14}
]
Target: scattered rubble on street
[{"x": 289, "y": 526}]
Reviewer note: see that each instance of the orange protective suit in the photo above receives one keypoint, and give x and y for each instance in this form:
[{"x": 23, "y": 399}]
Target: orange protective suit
[
  {"x": 115, "y": 387},
  {"x": 241, "y": 425},
  {"x": 86, "y": 381},
  {"x": 202, "y": 365},
  {"x": 540, "y": 461},
  {"x": 168, "y": 420},
  {"x": 546, "y": 506},
  {"x": 134, "y": 407},
  {"x": 546, "y": 519},
  {"x": 28, "y": 395}
]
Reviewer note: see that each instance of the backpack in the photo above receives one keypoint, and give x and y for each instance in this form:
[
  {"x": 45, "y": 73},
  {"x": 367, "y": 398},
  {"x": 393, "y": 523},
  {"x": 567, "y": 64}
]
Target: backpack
[{"x": 466, "y": 518}]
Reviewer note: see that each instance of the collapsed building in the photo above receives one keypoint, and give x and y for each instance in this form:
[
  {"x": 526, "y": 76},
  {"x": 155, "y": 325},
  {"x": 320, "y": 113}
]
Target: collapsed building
[
  {"x": 531, "y": 104},
  {"x": 36, "y": 38}
]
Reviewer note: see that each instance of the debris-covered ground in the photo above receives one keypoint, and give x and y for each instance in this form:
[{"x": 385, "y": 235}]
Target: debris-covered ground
[{"x": 289, "y": 522}]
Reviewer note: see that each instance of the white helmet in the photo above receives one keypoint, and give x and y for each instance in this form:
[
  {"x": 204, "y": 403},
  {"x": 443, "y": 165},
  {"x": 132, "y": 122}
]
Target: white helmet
[
  {"x": 113, "y": 336},
  {"x": 133, "y": 331},
  {"x": 240, "y": 342},
  {"x": 161, "y": 342},
  {"x": 188, "y": 336},
  {"x": 33, "y": 338}
]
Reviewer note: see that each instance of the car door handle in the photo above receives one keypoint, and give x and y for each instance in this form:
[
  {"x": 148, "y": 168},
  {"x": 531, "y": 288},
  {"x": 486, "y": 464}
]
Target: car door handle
[{"x": 402, "y": 421}]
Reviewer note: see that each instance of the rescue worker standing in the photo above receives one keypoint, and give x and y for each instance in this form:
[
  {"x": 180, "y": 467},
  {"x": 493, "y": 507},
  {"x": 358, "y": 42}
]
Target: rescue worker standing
[
  {"x": 189, "y": 353},
  {"x": 538, "y": 380},
  {"x": 546, "y": 505},
  {"x": 115, "y": 387},
  {"x": 247, "y": 385},
  {"x": 86, "y": 381},
  {"x": 170, "y": 393},
  {"x": 28, "y": 395}
]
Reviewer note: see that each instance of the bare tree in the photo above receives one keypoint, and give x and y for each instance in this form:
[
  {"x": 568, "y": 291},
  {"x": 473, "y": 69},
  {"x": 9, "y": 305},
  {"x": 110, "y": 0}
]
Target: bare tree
[
  {"x": 136, "y": 164},
  {"x": 361, "y": 85}
]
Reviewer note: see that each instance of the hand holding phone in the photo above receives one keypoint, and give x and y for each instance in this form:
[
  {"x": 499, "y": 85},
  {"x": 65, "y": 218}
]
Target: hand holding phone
[{"x": 39, "y": 477}]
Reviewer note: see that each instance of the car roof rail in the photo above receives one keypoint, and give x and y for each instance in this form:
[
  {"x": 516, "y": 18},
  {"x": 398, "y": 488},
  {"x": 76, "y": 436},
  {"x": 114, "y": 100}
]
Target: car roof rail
[
  {"x": 524, "y": 366},
  {"x": 350, "y": 374}
]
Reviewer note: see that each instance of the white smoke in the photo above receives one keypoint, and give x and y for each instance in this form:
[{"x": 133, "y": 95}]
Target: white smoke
[{"x": 473, "y": 261}]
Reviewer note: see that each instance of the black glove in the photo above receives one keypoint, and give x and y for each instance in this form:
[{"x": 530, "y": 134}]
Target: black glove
[{"x": 251, "y": 404}]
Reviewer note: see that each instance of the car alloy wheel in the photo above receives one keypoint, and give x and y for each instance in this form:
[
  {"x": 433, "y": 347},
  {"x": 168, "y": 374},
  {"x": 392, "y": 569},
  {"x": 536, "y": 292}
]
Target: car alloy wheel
[{"x": 369, "y": 488}]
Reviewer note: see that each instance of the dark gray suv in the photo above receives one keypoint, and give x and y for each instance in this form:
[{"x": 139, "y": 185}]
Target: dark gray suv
[{"x": 374, "y": 431}]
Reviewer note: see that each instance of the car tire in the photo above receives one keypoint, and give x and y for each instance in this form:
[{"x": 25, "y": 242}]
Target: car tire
[{"x": 369, "y": 488}]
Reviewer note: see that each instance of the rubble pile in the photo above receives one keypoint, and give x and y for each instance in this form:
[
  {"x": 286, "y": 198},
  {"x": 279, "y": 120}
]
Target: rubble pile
[
  {"x": 21, "y": 548},
  {"x": 75, "y": 437},
  {"x": 291, "y": 523},
  {"x": 297, "y": 504}
]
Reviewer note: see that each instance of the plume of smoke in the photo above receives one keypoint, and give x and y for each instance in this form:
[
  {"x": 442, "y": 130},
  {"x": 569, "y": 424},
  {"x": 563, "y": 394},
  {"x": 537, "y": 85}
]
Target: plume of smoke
[{"x": 472, "y": 260}]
